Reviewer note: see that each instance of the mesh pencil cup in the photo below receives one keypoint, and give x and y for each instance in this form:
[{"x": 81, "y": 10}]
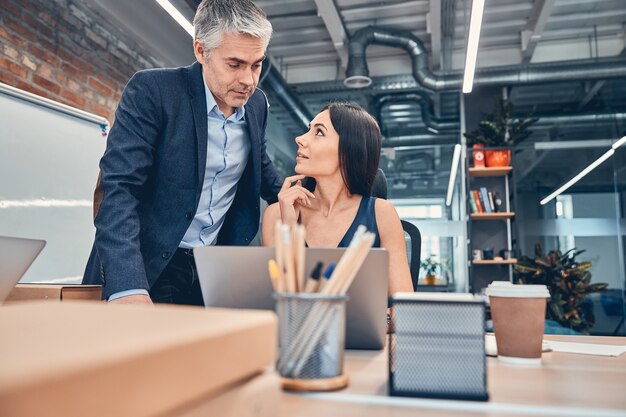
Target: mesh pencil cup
[{"x": 311, "y": 341}]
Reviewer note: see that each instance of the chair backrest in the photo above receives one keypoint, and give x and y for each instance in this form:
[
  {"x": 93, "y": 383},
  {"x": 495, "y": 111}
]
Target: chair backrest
[
  {"x": 379, "y": 190},
  {"x": 416, "y": 250}
]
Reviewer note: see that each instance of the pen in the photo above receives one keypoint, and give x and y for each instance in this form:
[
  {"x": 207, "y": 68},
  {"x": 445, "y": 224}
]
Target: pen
[
  {"x": 272, "y": 267},
  {"x": 313, "y": 281},
  {"x": 327, "y": 274}
]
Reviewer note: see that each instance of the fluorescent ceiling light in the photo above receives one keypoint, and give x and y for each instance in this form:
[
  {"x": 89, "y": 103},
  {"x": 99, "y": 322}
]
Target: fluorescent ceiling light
[
  {"x": 178, "y": 17},
  {"x": 453, "y": 169},
  {"x": 619, "y": 143},
  {"x": 578, "y": 176},
  {"x": 572, "y": 144},
  {"x": 585, "y": 171},
  {"x": 472, "y": 44}
]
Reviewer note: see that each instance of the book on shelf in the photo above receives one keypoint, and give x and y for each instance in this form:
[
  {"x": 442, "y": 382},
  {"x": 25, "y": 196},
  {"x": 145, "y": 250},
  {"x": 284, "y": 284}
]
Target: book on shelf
[
  {"x": 479, "y": 205},
  {"x": 491, "y": 202},
  {"x": 484, "y": 199},
  {"x": 472, "y": 203},
  {"x": 498, "y": 202}
]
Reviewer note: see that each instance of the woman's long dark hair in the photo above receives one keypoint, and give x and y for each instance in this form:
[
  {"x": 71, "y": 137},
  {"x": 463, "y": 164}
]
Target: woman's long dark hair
[{"x": 359, "y": 146}]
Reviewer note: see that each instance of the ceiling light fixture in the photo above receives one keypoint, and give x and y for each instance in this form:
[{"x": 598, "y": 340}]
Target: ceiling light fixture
[
  {"x": 177, "y": 16},
  {"x": 472, "y": 44},
  {"x": 456, "y": 156},
  {"x": 585, "y": 171}
]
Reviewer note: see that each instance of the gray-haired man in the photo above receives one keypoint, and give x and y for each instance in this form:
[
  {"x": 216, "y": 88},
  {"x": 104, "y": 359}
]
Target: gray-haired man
[{"x": 185, "y": 162}]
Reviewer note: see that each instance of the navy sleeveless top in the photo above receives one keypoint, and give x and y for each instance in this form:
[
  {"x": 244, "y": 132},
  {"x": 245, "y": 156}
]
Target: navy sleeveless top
[{"x": 366, "y": 216}]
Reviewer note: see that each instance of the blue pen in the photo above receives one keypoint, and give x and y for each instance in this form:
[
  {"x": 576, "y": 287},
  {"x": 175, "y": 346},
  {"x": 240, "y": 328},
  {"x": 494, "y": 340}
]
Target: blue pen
[{"x": 327, "y": 274}]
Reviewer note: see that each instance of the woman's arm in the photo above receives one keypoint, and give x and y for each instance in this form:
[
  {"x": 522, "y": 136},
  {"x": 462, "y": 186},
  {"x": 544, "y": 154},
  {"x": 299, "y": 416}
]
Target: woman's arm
[
  {"x": 271, "y": 215},
  {"x": 392, "y": 239}
]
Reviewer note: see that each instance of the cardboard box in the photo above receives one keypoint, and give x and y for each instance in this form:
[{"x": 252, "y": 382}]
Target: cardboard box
[
  {"x": 258, "y": 396},
  {"x": 55, "y": 292},
  {"x": 97, "y": 359}
]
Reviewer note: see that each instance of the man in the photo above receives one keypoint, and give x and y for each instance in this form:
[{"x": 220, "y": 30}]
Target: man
[{"x": 185, "y": 162}]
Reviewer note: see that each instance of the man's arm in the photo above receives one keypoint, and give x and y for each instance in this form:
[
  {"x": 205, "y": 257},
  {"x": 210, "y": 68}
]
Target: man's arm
[{"x": 125, "y": 167}]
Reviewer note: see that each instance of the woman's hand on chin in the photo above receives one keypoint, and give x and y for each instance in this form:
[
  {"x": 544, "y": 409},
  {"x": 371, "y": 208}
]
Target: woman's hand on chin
[{"x": 291, "y": 197}]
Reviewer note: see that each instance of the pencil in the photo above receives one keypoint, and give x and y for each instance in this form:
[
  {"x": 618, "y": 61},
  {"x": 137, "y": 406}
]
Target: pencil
[
  {"x": 288, "y": 255},
  {"x": 278, "y": 243},
  {"x": 313, "y": 282},
  {"x": 272, "y": 267},
  {"x": 327, "y": 274},
  {"x": 300, "y": 234}
]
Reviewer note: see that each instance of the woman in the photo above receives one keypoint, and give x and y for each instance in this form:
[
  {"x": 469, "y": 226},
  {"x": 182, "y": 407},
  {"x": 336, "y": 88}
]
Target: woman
[{"x": 340, "y": 152}]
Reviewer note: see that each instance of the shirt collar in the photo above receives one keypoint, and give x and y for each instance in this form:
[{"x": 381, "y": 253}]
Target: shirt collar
[{"x": 211, "y": 104}]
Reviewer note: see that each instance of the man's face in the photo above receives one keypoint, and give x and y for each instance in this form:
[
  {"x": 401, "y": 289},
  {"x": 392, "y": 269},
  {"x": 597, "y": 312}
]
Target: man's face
[{"x": 232, "y": 70}]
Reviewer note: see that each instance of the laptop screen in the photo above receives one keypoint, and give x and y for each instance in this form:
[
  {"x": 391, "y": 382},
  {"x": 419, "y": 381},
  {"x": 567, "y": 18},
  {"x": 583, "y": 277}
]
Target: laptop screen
[
  {"x": 16, "y": 256},
  {"x": 237, "y": 277}
]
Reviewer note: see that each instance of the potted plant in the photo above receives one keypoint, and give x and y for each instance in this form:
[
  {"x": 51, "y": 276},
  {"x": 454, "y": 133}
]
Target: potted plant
[
  {"x": 500, "y": 130},
  {"x": 430, "y": 266},
  {"x": 568, "y": 282}
]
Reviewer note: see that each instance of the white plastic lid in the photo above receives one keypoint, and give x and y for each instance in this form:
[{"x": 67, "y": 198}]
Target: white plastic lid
[{"x": 506, "y": 289}]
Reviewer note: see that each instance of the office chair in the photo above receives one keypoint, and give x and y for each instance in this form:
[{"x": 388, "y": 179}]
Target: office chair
[{"x": 414, "y": 249}]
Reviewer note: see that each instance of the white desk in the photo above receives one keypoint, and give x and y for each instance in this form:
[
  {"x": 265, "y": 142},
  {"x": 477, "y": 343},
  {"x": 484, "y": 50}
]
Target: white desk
[{"x": 565, "y": 385}]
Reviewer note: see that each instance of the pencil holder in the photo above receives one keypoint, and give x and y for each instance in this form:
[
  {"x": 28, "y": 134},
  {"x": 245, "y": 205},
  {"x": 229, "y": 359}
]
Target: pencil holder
[{"x": 311, "y": 341}]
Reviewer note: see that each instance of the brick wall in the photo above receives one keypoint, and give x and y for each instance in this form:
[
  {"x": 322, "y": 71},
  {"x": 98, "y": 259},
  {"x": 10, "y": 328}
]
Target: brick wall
[{"x": 66, "y": 51}]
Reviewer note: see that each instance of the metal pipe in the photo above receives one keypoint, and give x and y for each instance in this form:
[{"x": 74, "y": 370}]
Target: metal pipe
[
  {"x": 425, "y": 102},
  {"x": 274, "y": 81},
  {"x": 357, "y": 74}
]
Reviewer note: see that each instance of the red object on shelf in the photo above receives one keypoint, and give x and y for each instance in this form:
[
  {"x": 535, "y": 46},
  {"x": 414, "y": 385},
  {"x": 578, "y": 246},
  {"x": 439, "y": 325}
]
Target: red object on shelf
[
  {"x": 498, "y": 158},
  {"x": 479, "y": 156}
]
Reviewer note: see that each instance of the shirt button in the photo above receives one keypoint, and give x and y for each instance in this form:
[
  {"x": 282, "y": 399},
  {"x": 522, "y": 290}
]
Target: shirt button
[
  {"x": 188, "y": 215},
  {"x": 165, "y": 255}
]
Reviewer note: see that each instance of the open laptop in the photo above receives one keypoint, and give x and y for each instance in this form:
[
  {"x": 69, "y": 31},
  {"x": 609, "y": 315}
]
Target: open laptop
[
  {"x": 237, "y": 277},
  {"x": 16, "y": 256}
]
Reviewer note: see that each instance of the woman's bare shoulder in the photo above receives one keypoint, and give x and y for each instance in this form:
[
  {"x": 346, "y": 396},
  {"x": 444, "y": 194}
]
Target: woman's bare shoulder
[
  {"x": 385, "y": 209},
  {"x": 272, "y": 212}
]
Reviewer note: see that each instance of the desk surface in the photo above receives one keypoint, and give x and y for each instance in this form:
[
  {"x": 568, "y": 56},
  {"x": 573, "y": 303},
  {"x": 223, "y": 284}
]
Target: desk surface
[{"x": 565, "y": 385}]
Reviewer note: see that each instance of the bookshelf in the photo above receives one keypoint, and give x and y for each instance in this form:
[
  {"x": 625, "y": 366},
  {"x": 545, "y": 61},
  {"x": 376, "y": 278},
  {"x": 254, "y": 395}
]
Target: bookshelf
[
  {"x": 493, "y": 262},
  {"x": 489, "y": 222},
  {"x": 489, "y": 172},
  {"x": 492, "y": 216}
]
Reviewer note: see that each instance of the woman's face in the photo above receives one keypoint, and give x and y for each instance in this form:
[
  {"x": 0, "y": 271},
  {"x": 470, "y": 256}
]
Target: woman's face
[{"x": 318, "y": 149}]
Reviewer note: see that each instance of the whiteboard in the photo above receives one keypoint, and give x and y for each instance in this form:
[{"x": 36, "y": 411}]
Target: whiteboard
[{"x": 48, "y": 171}]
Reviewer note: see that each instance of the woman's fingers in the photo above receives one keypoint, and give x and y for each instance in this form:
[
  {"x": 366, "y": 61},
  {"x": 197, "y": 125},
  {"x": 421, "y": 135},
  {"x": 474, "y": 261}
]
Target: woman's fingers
[
  {"x": 290, "y": 180},
  {"x": 295, "y": 193},
  {"x": 287, "y": 185},
  {"x": 293, "y": 196}
]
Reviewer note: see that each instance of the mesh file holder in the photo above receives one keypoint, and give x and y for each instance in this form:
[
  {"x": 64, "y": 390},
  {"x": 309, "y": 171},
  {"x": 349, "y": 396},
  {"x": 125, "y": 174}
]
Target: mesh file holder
[{"x": 437, "y": 349}]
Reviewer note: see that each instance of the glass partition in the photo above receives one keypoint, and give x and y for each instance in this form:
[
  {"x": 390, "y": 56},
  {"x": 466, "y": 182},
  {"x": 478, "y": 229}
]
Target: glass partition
[
  {"x": 418, "y": 190},
  {"x": 588, "y": 217}
]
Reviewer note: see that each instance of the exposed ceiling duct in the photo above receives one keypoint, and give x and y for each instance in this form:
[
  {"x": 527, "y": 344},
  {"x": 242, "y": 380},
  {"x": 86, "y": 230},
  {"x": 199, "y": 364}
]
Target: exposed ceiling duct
[
  {"x": 433, "y": 124},
  {"x": 357, "y": 74},
  {"x": 450, "y": 125},
  {"x": 580, "y": 118},
  {"x": 272, "y": 79},
  {"x": 420, "y": 140}
]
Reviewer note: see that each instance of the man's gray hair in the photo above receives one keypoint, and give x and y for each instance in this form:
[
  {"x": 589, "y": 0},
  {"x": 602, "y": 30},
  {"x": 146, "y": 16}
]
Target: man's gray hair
[{"x": 214, "y": 18}]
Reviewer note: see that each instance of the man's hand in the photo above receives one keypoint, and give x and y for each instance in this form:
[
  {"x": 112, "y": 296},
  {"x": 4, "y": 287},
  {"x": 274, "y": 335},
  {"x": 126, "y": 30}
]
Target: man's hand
[{"x": 133, "y": 299}]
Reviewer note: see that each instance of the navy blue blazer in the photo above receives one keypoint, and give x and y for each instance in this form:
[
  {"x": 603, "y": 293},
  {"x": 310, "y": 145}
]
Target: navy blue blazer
[{"x": 152, "y": 173}]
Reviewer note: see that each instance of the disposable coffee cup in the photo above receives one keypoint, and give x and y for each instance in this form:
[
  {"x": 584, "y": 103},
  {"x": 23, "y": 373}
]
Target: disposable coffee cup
[{"x": 518, "y": 313}]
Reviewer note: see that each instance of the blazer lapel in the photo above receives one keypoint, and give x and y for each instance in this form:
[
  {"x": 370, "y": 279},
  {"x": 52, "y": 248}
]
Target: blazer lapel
[
  {"x": 198, "y": 105},
  {"x": 255, "y": 141}
]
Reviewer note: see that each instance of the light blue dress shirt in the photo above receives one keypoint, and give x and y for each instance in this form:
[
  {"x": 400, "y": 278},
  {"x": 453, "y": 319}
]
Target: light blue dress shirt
[
  {"x": 228, "y": 149},
  {"x": 227, "y": 155}
]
